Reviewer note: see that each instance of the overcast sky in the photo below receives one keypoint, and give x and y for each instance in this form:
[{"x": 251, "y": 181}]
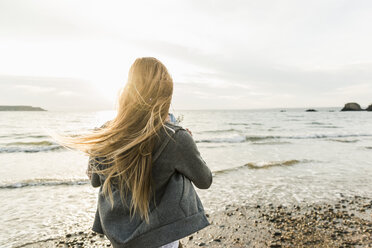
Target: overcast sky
[{"x": 75, "y": 55}]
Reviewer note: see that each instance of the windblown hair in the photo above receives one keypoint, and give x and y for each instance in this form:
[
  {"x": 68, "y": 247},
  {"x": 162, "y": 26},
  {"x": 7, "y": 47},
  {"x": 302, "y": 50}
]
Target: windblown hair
[{"x": 127, "y": 141}]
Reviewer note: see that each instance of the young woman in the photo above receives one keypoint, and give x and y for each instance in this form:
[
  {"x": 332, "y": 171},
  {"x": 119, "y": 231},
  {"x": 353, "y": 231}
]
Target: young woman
[{"x": 144, "y": 166}]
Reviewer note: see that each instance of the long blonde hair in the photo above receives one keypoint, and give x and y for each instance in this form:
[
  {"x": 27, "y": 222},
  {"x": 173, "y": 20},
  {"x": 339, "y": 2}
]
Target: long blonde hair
[{"x": 127, "y": 141}]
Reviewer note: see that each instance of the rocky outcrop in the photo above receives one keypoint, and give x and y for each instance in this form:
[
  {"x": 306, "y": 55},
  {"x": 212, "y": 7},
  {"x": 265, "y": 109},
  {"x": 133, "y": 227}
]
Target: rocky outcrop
[
  {"x": 369, "y": 108},
  {"x": 352, "y": 106},
  {"x": 20, "y": 108}
]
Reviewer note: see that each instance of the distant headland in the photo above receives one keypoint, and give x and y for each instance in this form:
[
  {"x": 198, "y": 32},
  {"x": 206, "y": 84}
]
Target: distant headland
[{"x": 20, "y": 108}]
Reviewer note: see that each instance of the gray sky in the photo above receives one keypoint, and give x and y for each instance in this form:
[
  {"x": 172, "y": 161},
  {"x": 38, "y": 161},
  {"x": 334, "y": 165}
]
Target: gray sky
[{"x": 75, "y": 55}]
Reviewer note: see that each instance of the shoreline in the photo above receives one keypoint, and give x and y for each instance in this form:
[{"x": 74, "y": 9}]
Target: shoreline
[{"x": 345, "y": 223}]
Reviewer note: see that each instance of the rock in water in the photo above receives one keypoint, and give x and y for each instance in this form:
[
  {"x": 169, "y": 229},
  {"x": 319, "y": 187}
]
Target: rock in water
[
  {"x": 352, "y": 106},
  {"x": 311, "y": 110},
  {"x": 369, "y": 108}
]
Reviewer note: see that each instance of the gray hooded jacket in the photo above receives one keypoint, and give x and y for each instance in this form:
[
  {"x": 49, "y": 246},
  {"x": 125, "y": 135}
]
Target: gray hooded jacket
[{"x": 176, "y": 211}]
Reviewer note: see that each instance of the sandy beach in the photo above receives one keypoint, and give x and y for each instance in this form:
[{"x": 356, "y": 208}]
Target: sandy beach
[{"x": 344, "y": 223}]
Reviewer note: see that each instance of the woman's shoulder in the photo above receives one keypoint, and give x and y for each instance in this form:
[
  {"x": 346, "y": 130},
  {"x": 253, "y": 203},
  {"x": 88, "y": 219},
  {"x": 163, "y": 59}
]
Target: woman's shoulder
[
  {"x": 176, "y": 133},
  {"x": 173, "y": 127},
  {"x": 180, "y": 135}
]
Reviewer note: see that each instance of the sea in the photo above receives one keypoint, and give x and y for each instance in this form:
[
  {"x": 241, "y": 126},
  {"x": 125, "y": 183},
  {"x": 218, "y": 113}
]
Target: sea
[{"x": 282, "y": 156}]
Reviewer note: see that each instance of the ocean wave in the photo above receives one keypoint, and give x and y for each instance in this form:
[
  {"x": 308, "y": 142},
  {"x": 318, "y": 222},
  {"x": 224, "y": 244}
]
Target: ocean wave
[
  {"x": 255, "y": 138},
  {"x": 272, "y": 143},
  {"x": 213, "y": 146},
  {"x": 58, "y": 182},
  {"x": 258, "y": 138},
  {"x": 33, "y": 143},
  {"x": 238, "y": 124},
  {"x": 322, "y": 136},
  {"x": 30, "y": 146},
  {"x": 220, "y": 131},
  {"x": 344, "y": 141},
  {"x": 37, "y": 136},
  {"x": 23, "y": 136},
  {"x": 318, "y": 123},
  {"x": 234, "y": 139},
  {"x": 43, "y": 182},
  {"x": 263, "y": 165},
  {"x": 25, "y": 149}
]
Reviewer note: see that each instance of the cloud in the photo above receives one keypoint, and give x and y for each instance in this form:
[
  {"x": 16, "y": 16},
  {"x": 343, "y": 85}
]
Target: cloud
[
  {"x": 68, "y": 93},
  {"x": 51, "y": 93},
  {"x": 360, "y": 93},
  {"x": 359, "y": 89},
  {"x": 34, "y": 89},
  {"x": 261, "y": 52},
  {"x": 37, "y": 19},
  {"x": 268, "y": 77}
]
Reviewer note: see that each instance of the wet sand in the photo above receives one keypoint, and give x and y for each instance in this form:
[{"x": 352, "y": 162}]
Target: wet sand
[{"x": 345, "y": 223}]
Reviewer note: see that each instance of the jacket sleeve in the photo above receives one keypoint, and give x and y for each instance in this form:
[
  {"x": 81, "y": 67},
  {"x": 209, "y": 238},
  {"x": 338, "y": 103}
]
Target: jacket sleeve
[
  {"x": 189, "y": 162},
  {"x": 94, "y": 178}
]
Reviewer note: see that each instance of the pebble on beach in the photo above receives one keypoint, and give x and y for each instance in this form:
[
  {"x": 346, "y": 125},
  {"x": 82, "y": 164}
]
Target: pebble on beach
[{"x": 346, "y": 223}]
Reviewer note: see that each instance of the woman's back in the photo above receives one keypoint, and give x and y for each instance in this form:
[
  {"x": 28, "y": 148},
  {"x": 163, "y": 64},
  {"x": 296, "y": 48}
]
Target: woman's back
[{"x": 175, "y": 210}]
